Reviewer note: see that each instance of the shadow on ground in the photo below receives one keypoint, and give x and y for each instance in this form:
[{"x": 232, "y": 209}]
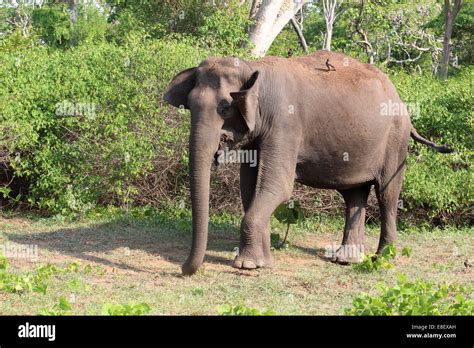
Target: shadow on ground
[
  {"x": 320, "y": 253},
  {"x": 162, "y": 240}
]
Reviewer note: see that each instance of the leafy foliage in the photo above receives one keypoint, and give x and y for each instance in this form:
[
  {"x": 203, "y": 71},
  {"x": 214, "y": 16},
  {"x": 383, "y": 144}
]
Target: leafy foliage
[
  {"x": 440, "y": 183},
  {"x": 63, "y": 307},
  {"x": 25, "y": 282},
  {"x": 371, "y": 263},
  {"x": 126, "y": 309},
  {"x": 406, "y": 251},
  {"x": 53, "y": 25},
  {"x": 74, "y": 157},
  {"x": 241, "y": 310},
  {"x": 116, "y": 143},
  {"x": 413, "y": 298},
  {"x": 215, "y": 24},
  {"x": 288, "y": 213},
  {"x": 36, "y": 281}
]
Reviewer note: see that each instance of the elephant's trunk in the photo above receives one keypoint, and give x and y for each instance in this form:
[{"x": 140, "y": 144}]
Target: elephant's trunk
[{"x": 203, "y": 143}]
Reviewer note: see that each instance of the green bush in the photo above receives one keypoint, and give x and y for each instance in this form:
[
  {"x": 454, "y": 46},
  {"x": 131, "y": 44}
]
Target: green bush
[
  {"x": 63, "y": 307},
  {"x": 440, "y": 183},
  {"x": 241, "y": 310},
  {"x": 215, "y": 24},
  {"x": 81, "y": 125},
  {"x": 53, "y": 25},
  {"x": 36, "y": 281},
  {"x": 25, "y": 282},
  {"x": 413, "y": 298},
  {"x": 87, "y": 126},
  {"x": 370, "y": 263},
  {"x": 126, "y": 309}
]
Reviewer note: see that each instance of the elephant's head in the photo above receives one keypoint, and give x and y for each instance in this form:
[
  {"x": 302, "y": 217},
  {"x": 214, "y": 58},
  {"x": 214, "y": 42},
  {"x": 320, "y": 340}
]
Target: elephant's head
[{"x": 222, "y": 95}]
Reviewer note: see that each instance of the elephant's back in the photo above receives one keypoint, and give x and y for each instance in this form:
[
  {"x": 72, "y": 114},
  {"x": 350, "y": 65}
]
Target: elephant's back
[
  {"x": 347, "y": 69},
  {"x": 354, "y": 93},
  {"x": 349, "y": 110},
  {"x": 339, "y": 60}
]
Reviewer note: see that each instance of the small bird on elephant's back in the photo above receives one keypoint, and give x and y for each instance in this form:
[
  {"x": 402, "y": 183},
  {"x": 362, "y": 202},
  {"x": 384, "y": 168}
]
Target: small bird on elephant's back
[{"x": 330, "y": 66}]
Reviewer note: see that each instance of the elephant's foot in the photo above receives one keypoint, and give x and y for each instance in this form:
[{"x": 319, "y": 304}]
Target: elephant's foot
[
  {"x": 251, "y": 259},
  {"x": 347, "y": 254}
]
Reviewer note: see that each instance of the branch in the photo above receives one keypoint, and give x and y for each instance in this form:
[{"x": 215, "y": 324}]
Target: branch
[
  {"x": 301, "y": 38},
  {"x": 408, "y": 60},
  {"x": 457, "y": 7}
]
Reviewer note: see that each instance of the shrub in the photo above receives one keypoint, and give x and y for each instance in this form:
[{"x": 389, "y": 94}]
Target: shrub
[
  {"x": 36, "y": 281},
  {"x": 441, "y": 184},
  {"x": 413, "y": 298},
  {"x": 63, "y": 307},
  {"x": 371, "y": 263},
  {"x": 81, "y": 125},
  {"x": 241, "y": 310},
  {"x": 87, "y": 126},
  {"x": 25, "y": 282},
  {"x": 126, "y": 309}
]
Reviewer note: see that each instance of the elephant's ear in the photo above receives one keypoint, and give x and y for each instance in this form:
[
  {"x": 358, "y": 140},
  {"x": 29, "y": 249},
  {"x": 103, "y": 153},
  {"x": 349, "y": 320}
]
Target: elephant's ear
[
  {"x": 178, "y": 90},
  {"x": 246, "y": 100}
]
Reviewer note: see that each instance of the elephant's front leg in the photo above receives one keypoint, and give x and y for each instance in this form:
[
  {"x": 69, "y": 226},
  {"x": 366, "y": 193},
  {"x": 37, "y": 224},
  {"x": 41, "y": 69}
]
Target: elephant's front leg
[
  {"x": 263, "y": 257},
  {"x": 262, "y": 191},
  {"x": 254, "y": 250}
]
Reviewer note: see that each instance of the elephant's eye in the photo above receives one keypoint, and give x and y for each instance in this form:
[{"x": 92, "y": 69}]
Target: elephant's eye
[{"x": 223, "y": 108}]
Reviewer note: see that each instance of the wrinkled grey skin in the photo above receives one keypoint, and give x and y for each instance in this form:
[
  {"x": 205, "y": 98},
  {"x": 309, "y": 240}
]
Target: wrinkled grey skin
[{"x": 324, "y": 129}]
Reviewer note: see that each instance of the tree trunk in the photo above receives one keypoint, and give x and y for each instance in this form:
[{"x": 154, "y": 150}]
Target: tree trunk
[
  {"x": 254, "y": 7},
  {"x": 330, "y": 15},
  {"x": 73, "y": 8},
  {"x": 449, "y": 17},
  {"x": 301, "y": 38},
  {"x": 328, "y": 39},
  {"x": 271, "y": 17}
]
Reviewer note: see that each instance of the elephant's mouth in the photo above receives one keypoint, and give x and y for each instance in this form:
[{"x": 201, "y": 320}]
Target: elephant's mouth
[
  {"x": 216, "y": 160},
  {"x": 225, "y": 144},
  {"x": 228, "y": 143}
]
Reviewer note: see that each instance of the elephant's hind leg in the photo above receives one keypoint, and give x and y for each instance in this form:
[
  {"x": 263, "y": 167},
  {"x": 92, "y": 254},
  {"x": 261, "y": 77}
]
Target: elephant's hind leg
[
  {"x": 248, "y": 182},
  {"x": 388, "y": 191},
  {"x": 353, "y": 240}
]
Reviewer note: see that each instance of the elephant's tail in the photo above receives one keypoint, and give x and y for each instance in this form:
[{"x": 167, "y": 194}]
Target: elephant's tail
[{"x": 440, "y": 148}]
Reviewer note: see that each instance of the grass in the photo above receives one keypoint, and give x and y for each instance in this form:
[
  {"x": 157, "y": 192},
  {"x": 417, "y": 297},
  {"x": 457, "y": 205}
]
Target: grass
[{"x": 134, "y": 260}]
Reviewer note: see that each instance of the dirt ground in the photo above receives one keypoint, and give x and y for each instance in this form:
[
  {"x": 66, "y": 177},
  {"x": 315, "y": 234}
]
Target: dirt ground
[{"x": 139, "y": 261}]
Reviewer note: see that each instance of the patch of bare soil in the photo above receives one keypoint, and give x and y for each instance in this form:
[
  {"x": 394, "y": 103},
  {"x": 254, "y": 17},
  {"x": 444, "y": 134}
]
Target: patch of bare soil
[{"x": 14, "y": 222}]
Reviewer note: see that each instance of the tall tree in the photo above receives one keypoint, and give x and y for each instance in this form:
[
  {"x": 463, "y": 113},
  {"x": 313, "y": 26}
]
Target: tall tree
[
  {"x": 330, "y": 15},
  {"x": 270, "y": 18},
  {"x": 450, "y": 13}
]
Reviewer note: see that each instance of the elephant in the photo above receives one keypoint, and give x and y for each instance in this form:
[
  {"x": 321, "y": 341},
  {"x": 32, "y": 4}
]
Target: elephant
[{"x": 343, "y": 128}]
